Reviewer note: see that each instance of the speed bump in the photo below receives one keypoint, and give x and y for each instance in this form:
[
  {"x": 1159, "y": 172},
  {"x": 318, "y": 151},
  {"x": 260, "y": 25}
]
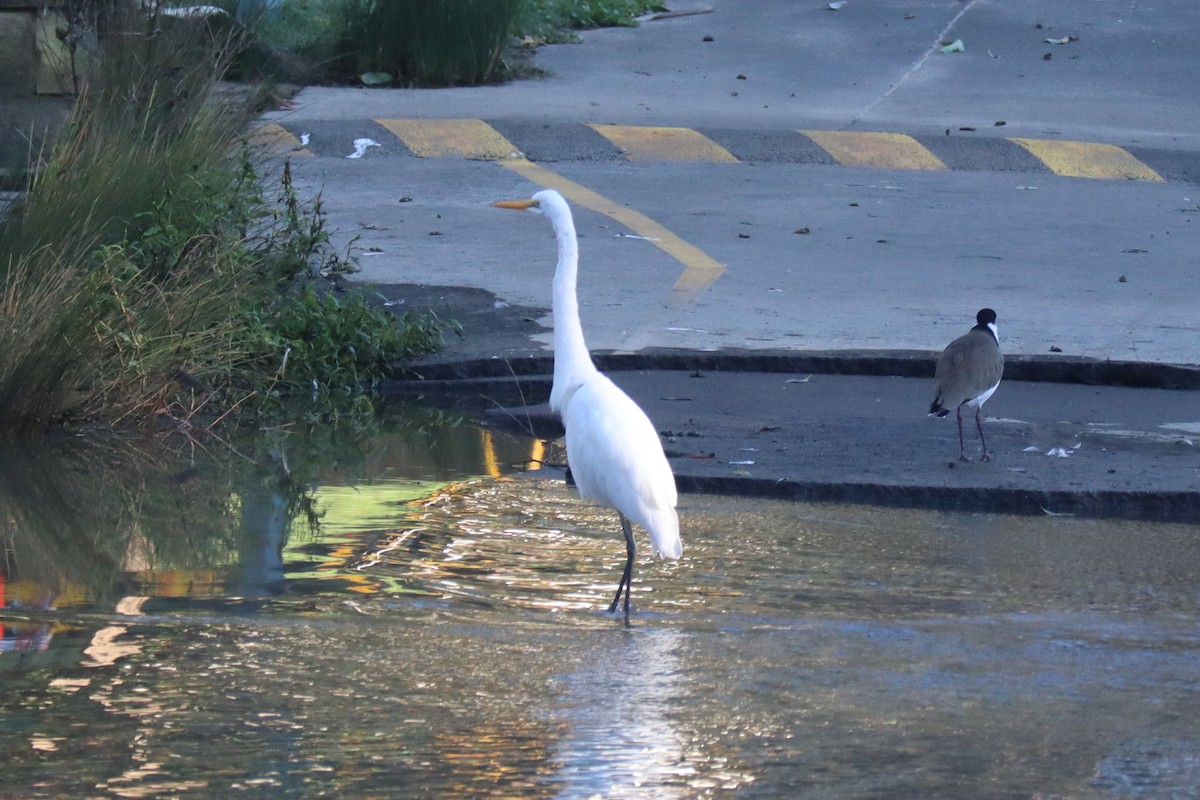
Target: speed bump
[
  {"x": 451, "y": 138},
  {"x": 1087, "y": 159},
  {"x": 651, "y": 143},
  {"x": 872, "y": 149}
]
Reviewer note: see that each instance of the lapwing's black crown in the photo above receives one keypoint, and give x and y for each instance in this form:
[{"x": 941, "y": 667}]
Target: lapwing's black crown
[{"x": 984, "y": 317}]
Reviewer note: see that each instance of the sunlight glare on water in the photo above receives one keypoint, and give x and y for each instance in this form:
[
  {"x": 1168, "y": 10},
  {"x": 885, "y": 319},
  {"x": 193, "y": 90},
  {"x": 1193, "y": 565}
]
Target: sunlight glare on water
[{"x": 445, "y": 635}]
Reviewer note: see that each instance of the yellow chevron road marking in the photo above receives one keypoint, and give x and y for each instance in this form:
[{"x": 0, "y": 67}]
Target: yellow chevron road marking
[
  {"x": 1087, "y": 160},
  {"x": 278, "y": 140},
  {"x": 700, "y": 269},
  {"x": 869, "y": 149},
  {"x": 649, "y": 143},
  {"x": 451, "y": 138}
]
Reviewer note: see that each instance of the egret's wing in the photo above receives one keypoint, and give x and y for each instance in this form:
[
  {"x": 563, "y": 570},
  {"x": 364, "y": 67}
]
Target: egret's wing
[
  {"x": 614, "y": 451},
  {"x": 616, "y": 459}
]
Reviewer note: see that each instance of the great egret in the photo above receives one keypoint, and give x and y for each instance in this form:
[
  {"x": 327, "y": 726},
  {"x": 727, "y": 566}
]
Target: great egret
[
  {"x": 968, "y": 372},
  {"x": 613, "y": 450}
]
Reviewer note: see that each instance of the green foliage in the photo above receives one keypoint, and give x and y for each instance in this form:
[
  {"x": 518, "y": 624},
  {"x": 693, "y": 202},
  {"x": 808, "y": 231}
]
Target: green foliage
[
  {"x": 307, "y": 28},
  {"x": 295, "y": 43},
  {"x": 144, "y": 268},
  {"x": 552, "y": 20},
  {"x": 428, "y": 42},
  {"x": 111, "y": 248},
  {"x": 302, "y": 244},
  {"x": 416, "y": 42},
  {"x": 331, "y": 344}
]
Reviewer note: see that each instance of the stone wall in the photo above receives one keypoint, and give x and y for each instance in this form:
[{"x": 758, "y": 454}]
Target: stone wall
[
  {"x": 33, "y": 61},
  {"x": 35, "y": 82}
]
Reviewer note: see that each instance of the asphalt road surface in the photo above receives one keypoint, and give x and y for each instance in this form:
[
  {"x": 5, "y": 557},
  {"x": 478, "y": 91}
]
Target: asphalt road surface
[{"x": 781, "y": 179}]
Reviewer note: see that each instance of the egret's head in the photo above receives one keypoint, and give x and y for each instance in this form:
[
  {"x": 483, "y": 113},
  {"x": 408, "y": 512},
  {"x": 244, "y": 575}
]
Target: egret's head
[{"x": 547, "y": 202}]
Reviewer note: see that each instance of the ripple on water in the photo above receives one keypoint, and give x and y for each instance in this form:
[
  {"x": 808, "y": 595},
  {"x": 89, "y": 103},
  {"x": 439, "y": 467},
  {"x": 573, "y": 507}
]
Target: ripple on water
[{"x": 456, "y": 646}]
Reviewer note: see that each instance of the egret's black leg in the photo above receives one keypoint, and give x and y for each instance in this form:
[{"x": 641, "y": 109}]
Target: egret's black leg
[
  {"x": 962, "y": 453},
  {"x": 979, "y": 425},
  {"x": 627, "y": 578}
]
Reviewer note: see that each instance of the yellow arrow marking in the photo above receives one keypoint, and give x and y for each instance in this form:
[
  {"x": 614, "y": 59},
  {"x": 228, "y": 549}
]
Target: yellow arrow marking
[
  {"x": 869, "y": 149},
  {"x": 1087, "y": 160},
  {"x": 648, "y": 143},
  {"x": 451, "y": 138},
  {"x": 700, "y": 269}
]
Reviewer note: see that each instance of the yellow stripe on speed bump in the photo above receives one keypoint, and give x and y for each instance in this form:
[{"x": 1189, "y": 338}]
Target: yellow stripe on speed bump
[
  {"x": 649, "y": 143},
  {"x": 1087, "y": 160},
  {"x": 700, "y": 269},
  {"x": 451, "y": 138},
  {"x": 277, "y": 139},
  {"x": 870, "y": 149}
]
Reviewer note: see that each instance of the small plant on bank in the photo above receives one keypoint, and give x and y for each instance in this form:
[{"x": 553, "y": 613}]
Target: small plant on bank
[
  {"x": 554, "y": 20},
  {"x": 316, "y": 340},
  {"x": 325, "y": 344}
]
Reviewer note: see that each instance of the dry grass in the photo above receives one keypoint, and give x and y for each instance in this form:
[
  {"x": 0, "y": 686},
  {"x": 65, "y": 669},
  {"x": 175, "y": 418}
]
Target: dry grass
[{"x": 120, "y": 266}]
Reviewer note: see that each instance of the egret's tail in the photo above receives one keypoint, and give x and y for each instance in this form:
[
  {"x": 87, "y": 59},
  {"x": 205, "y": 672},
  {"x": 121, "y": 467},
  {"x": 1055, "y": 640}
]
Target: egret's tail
[{"x": 663, "y": 527}]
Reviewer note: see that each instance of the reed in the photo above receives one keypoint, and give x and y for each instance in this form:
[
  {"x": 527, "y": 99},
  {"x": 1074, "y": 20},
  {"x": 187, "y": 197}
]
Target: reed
[
  {"x": 429, "y": 42},
  {"x": 146, "y": 273},
  {"x": 117, "y": 266}
]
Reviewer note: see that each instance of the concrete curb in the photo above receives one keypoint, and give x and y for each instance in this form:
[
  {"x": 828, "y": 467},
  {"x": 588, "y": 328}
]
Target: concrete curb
[
  {"x": 904, "y": 363},
  {"x": 834, "y": 457}
]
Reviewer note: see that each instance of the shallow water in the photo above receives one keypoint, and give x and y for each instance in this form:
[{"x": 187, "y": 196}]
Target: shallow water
[{"x": 440, "y": 632}]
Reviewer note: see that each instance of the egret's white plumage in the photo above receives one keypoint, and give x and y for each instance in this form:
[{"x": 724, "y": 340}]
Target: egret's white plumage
[
  {"x": 612, "y": 448},
  {"x": 616, "y": 460}
]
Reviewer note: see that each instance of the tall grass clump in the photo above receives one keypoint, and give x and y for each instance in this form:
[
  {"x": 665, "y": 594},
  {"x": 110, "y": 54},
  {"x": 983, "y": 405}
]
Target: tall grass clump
[
  {"x": 428, "y": 42},
  {"x": 94, "y": 324},
  {"x": 147, "y": 272}
]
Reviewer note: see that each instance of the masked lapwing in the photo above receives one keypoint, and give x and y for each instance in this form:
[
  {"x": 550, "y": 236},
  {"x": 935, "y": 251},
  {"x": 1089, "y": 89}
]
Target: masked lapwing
[{"x": 968, "y": 372}]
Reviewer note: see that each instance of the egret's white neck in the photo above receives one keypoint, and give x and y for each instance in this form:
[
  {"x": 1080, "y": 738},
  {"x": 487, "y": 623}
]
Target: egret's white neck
[{"x": 572, "y": 363}]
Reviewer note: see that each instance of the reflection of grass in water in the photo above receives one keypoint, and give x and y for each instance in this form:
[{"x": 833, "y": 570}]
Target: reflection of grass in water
[
  {"x": 361, "y": 507},
  {"x": 80, "y": 517},
  {"x": 325, "y": 442},
  {"x": 412, "y": 452},
  {"x": 500, "y": 544}
]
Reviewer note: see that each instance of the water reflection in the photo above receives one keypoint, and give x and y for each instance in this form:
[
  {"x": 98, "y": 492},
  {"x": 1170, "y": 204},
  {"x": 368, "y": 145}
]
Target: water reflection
[
  {"x": 620, "y": 731},
  {"x": 392, "y": 621},
  {"x": 99, "y": 523}
]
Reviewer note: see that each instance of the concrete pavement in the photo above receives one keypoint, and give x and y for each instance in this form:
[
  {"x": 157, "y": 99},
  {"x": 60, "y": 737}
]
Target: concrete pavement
[
  {"x": 788, "y": 208},
  {"x": 779, "y": 64},
  {"x": 815, "y": 182},
  {"x": 1057, "y": 448}
]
